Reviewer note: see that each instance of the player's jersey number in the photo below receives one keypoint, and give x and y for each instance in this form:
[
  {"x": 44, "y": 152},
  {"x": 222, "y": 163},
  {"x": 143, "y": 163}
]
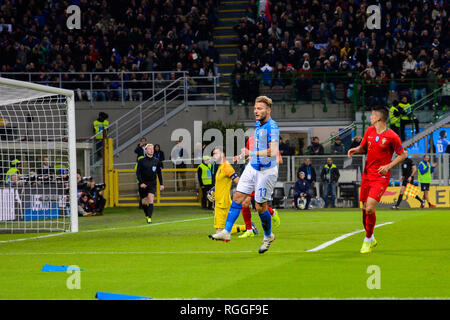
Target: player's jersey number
[{"x": 262, "y": 192}]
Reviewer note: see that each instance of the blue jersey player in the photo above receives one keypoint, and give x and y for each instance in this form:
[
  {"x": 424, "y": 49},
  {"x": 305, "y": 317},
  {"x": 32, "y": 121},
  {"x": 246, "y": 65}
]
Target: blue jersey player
[
  {"x": 442, "y": 142},
  {"x": 260, "y": 174}
]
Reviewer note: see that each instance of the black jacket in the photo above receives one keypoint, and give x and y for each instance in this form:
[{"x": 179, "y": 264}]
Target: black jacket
[
  {"x": 334, "y": 174},
  {"x": 159, "y": 155},
  {"x": 139, "y": 151},
  {"x": 148, "y": 169},
  {"x": 311, "y": 170}
]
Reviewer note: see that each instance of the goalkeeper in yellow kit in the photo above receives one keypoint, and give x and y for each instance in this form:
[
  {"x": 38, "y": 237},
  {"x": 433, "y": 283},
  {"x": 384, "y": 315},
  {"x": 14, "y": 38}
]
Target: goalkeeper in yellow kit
[{"x": 220, "y": 193}]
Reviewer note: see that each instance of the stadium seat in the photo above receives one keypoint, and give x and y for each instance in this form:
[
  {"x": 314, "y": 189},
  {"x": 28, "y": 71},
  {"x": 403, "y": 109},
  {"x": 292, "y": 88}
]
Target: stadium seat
[
  {"x": 277, "y": 93},
  {"x": 278, "y": 197},
  {"x": 290, "y": 198},
  {"x": 348, "y": 194}
]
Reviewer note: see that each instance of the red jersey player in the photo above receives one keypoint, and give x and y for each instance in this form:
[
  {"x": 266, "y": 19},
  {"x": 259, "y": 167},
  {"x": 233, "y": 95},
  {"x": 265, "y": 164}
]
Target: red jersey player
[
  {"x": 246, "y": 211},
  {"x": 379, "y": 143}
]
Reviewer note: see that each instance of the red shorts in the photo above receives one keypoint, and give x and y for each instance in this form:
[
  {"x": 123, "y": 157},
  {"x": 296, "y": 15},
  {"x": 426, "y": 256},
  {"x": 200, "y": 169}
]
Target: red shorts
[{"x": 373, "y": 188}]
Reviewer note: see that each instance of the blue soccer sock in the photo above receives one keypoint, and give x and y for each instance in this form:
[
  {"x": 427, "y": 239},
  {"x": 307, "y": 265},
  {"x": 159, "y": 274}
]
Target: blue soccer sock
[
  {"x": 233, "y": 214},
  {"x": 266, "y": 221}
]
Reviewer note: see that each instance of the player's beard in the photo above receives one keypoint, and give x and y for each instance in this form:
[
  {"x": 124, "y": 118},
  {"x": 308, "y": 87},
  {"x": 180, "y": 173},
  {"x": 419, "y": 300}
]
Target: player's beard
[{"x": 261, "y": 116}]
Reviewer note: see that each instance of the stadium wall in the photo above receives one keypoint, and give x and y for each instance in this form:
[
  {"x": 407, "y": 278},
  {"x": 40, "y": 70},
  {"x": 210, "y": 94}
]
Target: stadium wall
[{"x": 308, "y": 118}]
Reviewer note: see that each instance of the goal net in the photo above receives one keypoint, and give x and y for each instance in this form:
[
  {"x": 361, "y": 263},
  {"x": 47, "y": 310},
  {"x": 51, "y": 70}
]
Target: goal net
[{"x": 38, "y": 187}]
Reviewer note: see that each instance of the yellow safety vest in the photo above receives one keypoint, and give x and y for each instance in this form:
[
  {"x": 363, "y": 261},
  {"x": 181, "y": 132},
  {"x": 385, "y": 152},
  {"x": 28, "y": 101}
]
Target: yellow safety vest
[
  {"x": 426, "y": 177},
  {"x": 59, "y": 168},
  {"x": 99, "y": 127},
  {"x": 206, "y": 173},
  {"x": 11, "y": 172},
  {"x": 393, "y": 120},
  {"x": 407, "y": 108}
]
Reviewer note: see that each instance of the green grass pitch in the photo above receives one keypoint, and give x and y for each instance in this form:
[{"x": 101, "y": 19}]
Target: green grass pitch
[{"x": 173, "y": 257}]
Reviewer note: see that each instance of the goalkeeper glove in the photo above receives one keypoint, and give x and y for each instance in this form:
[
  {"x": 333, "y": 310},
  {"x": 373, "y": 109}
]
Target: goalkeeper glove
[{"x": 210, "y": 195}]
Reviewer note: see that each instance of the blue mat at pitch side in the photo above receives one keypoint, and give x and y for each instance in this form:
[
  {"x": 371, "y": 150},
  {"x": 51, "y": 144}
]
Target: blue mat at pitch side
[
  {"x": 50, "y": 267},
  {"x": 117, "y": 296}
]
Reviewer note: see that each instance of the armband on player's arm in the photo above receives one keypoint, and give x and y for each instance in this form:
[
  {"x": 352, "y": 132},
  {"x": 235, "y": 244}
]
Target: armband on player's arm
[{"x": 234, "y": 176}]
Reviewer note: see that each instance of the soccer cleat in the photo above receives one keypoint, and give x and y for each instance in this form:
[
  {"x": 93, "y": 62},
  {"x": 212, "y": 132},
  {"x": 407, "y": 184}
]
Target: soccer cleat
[
  {"x": 221, "y": 236},
  {"x": 149, "y": 220},
  {"x": 266, "y": 243},
  {"x": 366, "y": 247},
  {"x": 276, "y": 219},
  {"x": 432, "y": 206},
  {"x": 422, "y": 205},
  {"x": 255, "y": 231},
  {"x": 247, "y": 234},
  {"x": 395, "y": 207},
  {"x": 374, "y": 243}
]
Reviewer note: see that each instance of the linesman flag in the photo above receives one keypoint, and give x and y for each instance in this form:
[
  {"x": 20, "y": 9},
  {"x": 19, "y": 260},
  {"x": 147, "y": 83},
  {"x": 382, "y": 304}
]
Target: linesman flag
[{"x": 411, "y": 190}]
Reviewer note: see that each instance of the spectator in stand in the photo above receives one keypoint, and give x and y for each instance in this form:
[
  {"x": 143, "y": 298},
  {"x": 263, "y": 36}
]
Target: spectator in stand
[
  {"x": 214, "y": 56},
  {"x": 315, "y": 148},
  {"x": 252, "y": 85},
  {"x": 303, "y": 82},
  {"x": 420, "y": 85},
  {"x": 159, "y": 154},
  {"x": 239, "y": 90},
  {"x": 356, "y": 141},
  {"x": 46, "y": 168},
  {"x": 337, "y": 147},
  {"x": 310, "y": 172},
  {"x": 329, "y": 82},
  {"x": 140, "y": 148}
]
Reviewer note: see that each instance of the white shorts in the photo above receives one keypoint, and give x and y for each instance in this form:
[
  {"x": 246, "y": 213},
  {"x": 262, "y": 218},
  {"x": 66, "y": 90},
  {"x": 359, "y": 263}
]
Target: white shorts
[{"x": 262, "y": 182}]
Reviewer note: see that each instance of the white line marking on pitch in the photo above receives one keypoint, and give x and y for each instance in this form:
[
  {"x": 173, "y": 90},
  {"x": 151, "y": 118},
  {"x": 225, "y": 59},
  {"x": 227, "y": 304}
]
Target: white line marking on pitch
[
  {"x": 329, "y": 243},
  {"x": 318, "y": 248},
  {"x": 106, "y": 229}
]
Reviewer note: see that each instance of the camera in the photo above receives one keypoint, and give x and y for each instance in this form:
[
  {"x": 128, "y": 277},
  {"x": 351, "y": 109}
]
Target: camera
[{"x": 99, "y": 186}]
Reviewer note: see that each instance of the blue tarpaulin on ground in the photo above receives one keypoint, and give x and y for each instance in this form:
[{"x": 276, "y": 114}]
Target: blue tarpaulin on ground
[
  {"x": 50, "y": 267},
  {"x": 117, "y": 296}
]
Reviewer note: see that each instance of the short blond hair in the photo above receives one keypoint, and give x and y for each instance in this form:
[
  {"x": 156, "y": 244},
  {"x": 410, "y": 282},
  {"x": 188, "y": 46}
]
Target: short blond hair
[{"x": 266, "y": 100}]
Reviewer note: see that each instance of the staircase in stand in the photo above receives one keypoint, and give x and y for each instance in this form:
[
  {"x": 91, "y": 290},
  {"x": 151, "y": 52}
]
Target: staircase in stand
[{"x": 227, "y": 41}]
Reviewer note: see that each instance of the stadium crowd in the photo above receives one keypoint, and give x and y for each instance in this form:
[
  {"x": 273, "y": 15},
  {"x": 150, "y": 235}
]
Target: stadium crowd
[
  {"x": 296, "y": 43},
  {"x": 115, "y": 36}
]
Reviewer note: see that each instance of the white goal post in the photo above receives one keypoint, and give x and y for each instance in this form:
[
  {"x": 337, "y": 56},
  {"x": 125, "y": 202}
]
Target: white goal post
[{"x": 38, "y": 174}]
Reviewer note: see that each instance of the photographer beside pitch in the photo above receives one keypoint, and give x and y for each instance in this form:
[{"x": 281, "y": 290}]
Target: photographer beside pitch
[
  {"x": 379, "y": 143},
  {"x": 148, "y": 169},
  {"x": 90, "y": 196},
  {"x": 95, "y": 192}
]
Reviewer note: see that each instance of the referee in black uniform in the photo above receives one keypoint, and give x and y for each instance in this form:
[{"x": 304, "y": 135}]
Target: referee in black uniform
[
  {"x": 409, "y": 169},
  {"x": 148, "y": 168}
]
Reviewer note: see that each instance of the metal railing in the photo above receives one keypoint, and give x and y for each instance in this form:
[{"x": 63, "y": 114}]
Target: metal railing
[
  {"x": 182, "y": 186},
  {"x": 322, "y": 87},
  {"x": 140, "y": 120},
  {"x": 291, "y": 87},
  {"x": 287, "y": 172},
  {"x": 121, "y": 86}
]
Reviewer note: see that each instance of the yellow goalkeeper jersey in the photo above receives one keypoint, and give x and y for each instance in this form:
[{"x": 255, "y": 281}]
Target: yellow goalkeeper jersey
[{"x": 223, "y": 185}]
